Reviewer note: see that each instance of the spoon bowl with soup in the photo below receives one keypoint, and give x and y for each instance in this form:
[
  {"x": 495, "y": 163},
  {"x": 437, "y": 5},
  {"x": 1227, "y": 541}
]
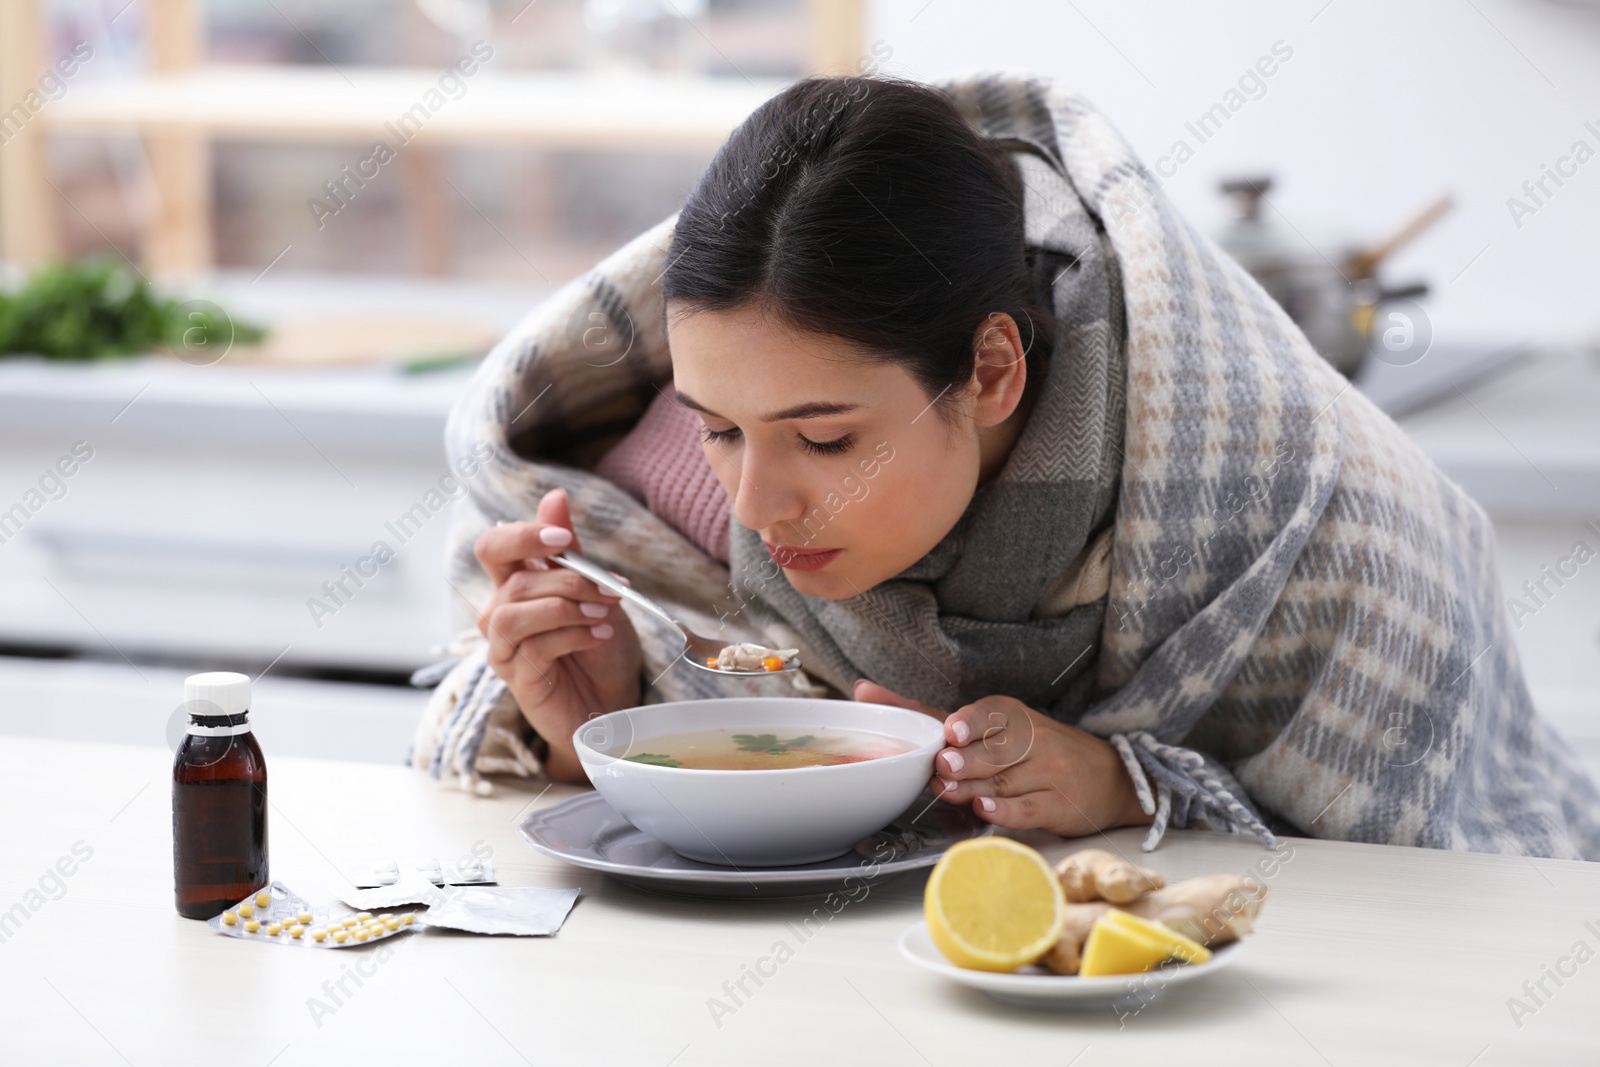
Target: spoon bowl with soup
[{"x": 698, "y": 651}]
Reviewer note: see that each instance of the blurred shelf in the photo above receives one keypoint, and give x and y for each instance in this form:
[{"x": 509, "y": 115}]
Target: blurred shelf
[
  {"x": 184, "y": 105},
  {"x": 299, "y": 103}
]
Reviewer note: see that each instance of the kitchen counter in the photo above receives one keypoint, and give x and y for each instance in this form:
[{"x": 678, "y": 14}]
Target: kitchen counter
[
  {"x": 1364, "y": 955},
  {"x": 1522, "y": 440},
  {"x": 221, "y": 498},
  {"x": 217, "y": 503},
  {"x": 120, "y": 704}
]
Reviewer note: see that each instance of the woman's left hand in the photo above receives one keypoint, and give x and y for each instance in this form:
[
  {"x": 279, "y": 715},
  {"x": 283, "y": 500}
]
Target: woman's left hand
[{"x": 1023, "y": 770}]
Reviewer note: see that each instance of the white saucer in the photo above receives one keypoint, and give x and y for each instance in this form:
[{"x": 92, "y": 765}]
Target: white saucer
[
  {"x": 1036, "y": 987},
  {"x": 587, "y": 832}
]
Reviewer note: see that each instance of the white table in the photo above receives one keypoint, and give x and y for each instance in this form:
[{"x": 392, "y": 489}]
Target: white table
[{"x": 1364, "y": 955}]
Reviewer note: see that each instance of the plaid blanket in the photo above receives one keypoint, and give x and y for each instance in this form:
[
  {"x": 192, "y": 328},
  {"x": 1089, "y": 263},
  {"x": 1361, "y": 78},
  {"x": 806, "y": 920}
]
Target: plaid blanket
[{"x": 1303, "y": 629}]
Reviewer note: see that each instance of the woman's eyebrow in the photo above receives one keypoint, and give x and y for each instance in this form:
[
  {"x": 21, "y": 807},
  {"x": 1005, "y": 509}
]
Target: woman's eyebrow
[{"x": 815, "y": 409}]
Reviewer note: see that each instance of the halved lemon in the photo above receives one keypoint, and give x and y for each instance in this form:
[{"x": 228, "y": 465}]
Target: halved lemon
[
  {"x": 993, "y": 904},
  {"x": 1120, "y": 943}
]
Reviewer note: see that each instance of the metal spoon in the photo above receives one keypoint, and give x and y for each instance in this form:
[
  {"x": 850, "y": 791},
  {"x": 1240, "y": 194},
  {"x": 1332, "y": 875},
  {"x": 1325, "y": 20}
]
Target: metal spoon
[{"x": 696, "y": 651}]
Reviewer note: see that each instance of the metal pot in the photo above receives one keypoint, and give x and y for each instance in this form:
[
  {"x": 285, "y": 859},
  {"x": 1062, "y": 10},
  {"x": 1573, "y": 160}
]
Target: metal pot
[{"x": 1333, "y": 294}]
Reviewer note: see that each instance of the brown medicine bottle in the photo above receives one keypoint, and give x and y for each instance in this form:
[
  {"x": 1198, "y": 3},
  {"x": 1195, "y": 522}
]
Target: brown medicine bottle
[{"x": 219, "y": 799}]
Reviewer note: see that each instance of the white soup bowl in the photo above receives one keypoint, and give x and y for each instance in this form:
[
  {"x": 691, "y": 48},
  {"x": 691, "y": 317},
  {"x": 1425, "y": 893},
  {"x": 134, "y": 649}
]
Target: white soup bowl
[{"x": 758, "y": 818}]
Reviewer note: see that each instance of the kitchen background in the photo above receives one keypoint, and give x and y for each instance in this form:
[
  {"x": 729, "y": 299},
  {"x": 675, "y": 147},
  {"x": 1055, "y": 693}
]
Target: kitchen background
[{"x": 1418, "y": 183}]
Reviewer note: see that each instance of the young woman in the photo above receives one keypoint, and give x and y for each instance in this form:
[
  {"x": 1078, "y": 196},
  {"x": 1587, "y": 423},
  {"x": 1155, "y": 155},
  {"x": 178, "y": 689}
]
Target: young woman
[{"x": 978, "y": 423}]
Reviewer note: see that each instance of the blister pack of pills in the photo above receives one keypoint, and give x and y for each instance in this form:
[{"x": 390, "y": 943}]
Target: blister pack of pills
[
  {"x": 469, "y": 870},
  {"x": 527, "y": 911},
  {"x": 278, "y": 915},
  {"x": 412, "y": 888}
]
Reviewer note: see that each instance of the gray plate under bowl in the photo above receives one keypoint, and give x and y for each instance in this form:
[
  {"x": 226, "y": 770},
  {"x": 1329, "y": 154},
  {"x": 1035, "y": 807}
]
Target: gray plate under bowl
[{"x": 587, "y": 832}]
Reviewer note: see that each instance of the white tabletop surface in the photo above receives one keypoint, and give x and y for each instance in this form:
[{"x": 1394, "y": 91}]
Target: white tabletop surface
[{"x": 1364, "y": 954}]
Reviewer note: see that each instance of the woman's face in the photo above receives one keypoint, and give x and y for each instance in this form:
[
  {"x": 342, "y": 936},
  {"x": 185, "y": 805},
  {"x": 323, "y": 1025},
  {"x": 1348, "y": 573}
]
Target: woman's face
[{"x": 839, "y": 462}]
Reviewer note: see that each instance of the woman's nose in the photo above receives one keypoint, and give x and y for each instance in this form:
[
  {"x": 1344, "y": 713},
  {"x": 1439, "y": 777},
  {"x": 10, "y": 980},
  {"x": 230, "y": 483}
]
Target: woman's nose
[{"x": 761, "y": 502}]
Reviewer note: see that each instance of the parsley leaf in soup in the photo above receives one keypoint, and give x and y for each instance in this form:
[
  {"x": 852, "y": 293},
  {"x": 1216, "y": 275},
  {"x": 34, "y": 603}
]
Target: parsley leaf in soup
[
  {"x": 769, "y": 743},
  {"x": 654, "y": 759}
]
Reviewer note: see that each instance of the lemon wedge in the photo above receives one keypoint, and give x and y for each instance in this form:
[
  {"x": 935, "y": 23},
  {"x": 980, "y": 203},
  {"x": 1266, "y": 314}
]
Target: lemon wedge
[
  {"x": 993, "y": 904},
  {"x": 1120, "y": 943}
]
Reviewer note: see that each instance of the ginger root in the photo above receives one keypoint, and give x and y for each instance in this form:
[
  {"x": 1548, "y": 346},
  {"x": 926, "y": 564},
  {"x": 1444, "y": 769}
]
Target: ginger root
[
  {"x": 1095, "y": 874},
  {"x": 1067, "y": 954},
  {"x": 1213, "y": 910}
]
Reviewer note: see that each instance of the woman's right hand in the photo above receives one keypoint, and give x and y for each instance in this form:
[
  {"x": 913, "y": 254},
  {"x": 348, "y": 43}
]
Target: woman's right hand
[{"x": 561, "y": 643}]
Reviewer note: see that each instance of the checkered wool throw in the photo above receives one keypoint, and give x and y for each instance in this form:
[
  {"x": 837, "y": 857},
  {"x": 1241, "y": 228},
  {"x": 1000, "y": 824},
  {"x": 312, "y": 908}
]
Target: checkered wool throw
[{"x": 1302, "y": 632}]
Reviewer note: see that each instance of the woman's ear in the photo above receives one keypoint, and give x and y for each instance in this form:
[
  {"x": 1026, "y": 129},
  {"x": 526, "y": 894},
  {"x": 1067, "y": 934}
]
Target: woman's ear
[{"x": 999, "y": 371}]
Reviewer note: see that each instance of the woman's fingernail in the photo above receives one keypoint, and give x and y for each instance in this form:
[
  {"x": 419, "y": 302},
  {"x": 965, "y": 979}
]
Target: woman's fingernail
[
  {"x": 556, "y": 536},
  {"x": 987, "y": 804},
  {"x": 593, "y": 610},
  {"x": 602, "y": 631},
  {"x": 962, "y": 731},
  {"x": 621, "y": 578},
  {"x": 947, "y": 784},
  {"x": 955, "y": 761}
]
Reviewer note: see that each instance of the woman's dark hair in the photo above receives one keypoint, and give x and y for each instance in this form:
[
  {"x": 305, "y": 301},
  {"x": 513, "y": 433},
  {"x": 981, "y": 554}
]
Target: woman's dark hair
[{"x": 869, "y": 210}]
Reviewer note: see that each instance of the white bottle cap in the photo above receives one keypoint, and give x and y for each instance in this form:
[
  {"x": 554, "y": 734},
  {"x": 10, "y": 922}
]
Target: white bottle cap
[{"x": 217, "y": 693}]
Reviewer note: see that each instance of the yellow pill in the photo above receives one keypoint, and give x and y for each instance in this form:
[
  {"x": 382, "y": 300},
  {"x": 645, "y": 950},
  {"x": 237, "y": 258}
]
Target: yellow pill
[
  {"x": 305, "y": 918},
  {"x": 340, "y": 937},
  {"x": 274, "y": 929},
  {"x": 392, "y": 923},
  {"x": 363, "y": 916},
  {"x": 229, "y": 918},
  {"x": 408, "y": 918},
  {"x": 363, "y": 934},
  {"x": 263, "y": 898},
  {"x": 296, "y": 931},
  {"x": 319, "y": 935},
  {"x": 348, "y": 923},
  {"x": 247, "y": 909},
  {"x": 251, "y": 927}
]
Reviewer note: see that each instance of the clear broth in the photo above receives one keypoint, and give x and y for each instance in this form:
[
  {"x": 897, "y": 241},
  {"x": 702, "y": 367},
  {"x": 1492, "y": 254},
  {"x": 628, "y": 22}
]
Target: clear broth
[{"x": 765, "y": 749}]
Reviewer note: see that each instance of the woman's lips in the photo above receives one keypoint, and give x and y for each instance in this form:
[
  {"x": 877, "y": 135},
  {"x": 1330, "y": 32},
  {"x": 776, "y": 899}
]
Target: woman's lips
[{"x": 801, "y": 559}]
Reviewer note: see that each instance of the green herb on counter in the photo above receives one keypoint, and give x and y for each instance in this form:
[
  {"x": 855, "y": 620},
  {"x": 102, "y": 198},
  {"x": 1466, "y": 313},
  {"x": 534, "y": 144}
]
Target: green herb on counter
[{"x": 97, "y": 309}]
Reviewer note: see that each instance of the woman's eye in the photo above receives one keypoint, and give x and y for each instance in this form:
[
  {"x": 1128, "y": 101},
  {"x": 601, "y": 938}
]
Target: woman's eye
[
  {"x": 828, "y": 448},
  {"x": 710, "y": 436}
]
